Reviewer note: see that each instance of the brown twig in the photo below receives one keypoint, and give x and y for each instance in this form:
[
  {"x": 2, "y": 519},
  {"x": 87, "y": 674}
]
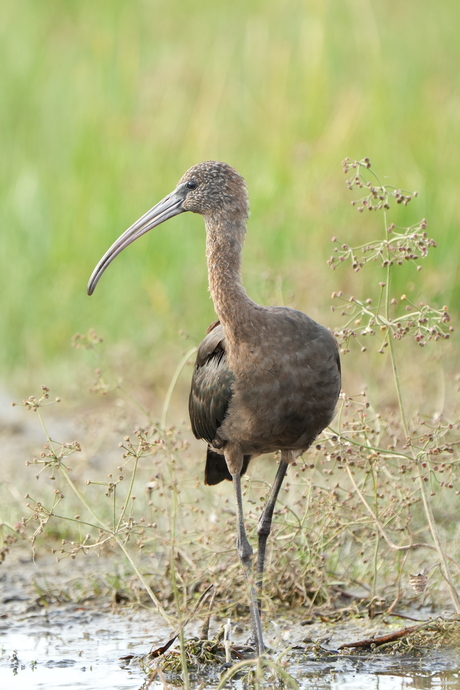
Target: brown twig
[{"x": 390, "y": 637}]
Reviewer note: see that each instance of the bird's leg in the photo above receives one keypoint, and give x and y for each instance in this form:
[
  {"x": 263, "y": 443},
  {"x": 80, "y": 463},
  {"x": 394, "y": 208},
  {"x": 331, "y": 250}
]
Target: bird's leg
[
  {"x": 245, "y": 553},
  {"x": 265, "y": 520}
]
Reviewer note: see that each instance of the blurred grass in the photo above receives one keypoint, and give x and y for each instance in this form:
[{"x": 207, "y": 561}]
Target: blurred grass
[{"x": 105, "y": 104}]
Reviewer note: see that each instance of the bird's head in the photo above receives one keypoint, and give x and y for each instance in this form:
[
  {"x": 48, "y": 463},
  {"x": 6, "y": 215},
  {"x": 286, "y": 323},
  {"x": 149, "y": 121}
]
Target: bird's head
[{"x": 213, "y": 189}]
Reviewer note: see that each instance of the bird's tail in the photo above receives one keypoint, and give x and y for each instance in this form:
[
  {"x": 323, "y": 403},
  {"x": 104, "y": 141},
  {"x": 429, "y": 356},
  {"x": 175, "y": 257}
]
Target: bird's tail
[{"x": 216, "y": 469}]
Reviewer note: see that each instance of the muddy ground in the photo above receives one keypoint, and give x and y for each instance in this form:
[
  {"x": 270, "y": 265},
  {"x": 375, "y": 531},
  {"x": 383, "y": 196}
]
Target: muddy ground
[
  {"x": 65, "y": 625},
  {"x": 59, "y": 629}
]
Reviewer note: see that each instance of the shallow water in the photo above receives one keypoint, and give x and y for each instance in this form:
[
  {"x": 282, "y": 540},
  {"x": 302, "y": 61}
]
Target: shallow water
[
  {"x": 79, "y": 648},
  {"x": 54, "y": 646},
  {"x": 74, "y": 649},
  {"x": 382, "y": 673}
]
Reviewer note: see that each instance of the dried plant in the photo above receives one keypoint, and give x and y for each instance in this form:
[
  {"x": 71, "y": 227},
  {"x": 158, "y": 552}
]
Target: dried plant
[
  {"x": 410, "y": 446},
  {"x": 365, "y": 506}
]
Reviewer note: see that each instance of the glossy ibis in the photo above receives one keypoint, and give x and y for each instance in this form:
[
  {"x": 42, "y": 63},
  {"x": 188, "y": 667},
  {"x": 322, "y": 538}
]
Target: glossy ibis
[{"x": 266, "y": 378}]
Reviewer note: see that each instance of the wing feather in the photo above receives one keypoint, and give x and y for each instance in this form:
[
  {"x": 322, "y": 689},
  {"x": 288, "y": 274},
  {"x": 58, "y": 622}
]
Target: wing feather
[{"x": 212, "y": 383}]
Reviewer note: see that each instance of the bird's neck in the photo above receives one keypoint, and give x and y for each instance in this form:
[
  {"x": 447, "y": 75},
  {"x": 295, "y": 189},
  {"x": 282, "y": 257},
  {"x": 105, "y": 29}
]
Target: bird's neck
[{"x": 224, "y": 244}]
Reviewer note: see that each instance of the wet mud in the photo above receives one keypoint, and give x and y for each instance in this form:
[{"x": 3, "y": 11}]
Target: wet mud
[{"x": 58, "y": 644}]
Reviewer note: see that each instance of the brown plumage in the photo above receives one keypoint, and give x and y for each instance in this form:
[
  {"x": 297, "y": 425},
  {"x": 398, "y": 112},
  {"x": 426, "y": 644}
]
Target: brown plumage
[{"x": 266, "y": 378}]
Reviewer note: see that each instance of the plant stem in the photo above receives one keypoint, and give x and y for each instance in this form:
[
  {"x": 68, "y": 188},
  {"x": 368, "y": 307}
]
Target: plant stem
[
  {"x": 434, "y": 533},
  {"x": 172, "y": 385},
  {"x": 423, "y": 491},
  {"x": 173, "y": 523},
  {"x": 145, "y": 584},
  {"x": 130, "y": 491}
]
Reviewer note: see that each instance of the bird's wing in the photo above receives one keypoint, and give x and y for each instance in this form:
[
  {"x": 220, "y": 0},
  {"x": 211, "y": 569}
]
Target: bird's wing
[{"x": 211, "y": 389}]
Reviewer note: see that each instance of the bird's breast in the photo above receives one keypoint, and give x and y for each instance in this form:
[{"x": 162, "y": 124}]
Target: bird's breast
[{"x": 284, "y": 393}]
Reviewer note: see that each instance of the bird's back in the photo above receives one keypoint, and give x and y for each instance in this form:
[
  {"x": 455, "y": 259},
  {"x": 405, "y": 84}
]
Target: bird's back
[
  {"x": 274, "y": 390},
  {"x": 286, "y": 384}
]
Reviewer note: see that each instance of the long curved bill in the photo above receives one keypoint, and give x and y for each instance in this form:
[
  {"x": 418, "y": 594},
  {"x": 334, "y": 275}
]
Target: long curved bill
[{"x": 167, "y": 208}]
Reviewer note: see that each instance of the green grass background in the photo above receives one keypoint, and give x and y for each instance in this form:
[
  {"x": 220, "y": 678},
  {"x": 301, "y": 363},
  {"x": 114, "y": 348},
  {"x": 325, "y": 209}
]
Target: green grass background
[{"x": 105, "y": 103}]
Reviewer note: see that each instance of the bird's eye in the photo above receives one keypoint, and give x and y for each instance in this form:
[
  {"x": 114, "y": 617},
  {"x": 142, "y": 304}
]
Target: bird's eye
[{"x": 191, "y": 184}]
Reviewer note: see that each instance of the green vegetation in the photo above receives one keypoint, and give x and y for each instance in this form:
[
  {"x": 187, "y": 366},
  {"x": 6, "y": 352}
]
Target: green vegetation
[
  {"x": 372, "y": 504},
  {"x": 105, "y": 104}
]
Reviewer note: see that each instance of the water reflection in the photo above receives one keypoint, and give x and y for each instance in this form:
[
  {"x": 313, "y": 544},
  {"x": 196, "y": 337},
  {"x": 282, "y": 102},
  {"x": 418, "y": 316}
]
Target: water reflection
[
  {"x": 84, "y": 655},
  {"x": 438, "y": 670}
]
